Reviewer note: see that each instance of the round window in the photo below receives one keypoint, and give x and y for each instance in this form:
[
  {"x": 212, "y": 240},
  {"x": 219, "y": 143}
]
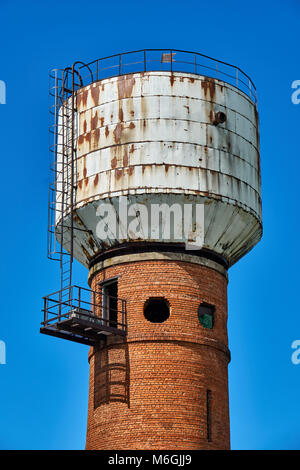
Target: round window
[{"x": 156, "y": 310}]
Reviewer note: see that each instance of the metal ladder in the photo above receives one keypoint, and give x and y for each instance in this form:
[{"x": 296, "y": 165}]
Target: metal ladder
[{"x": 63, "y": 168}]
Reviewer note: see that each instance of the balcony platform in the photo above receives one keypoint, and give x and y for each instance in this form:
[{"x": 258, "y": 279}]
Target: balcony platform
[
  {"x": 64, "y": 320},
  {"x": 80, "y": 327}
]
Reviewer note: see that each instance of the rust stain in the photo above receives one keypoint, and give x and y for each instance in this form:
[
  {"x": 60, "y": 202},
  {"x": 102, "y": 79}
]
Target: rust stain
[
  {"x": 80, "y": 139},
  {"x": 95, "y": 91},
  {"x": 125, "y": 86},
  {"x": 191, "y": 80},
  {"x": 131, "y": 125},
  {"x": 119, "y": 173},
  {"x": 78, "y": 99},
  {"x": 172, "y": 79},
  {"x": 86, "y": 181},
  {"x": 130, "y": 170},
  {"x": 106, "y": 131},
  {"x": 144, "y": 111},
  {"x": 85, "y": 251},
  {"x": 102, "y": 121},
  {"x": 125, "y": 157},
  {"x": 132, "y": 149},
  {"x": 114, "y": 162},
  {"x": 91, "y": 243},
  {"x": 209, "y": 87},
  {"x": 84, "y": 97},
  {"x": 84, "y": 172},
  {"x": 80, "y": 184},
  {"x": 94, "y": 138},
  {"x": 118, "y": 132},
  {"x": 96, "y": 179},
  {"x": 94, "y": 121},
  {"x": 84, "y": 126},
  {"x": 121, "y": 115}
]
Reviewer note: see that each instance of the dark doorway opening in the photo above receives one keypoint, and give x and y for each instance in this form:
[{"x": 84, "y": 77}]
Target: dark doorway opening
[{"x": 110, "y": 303}]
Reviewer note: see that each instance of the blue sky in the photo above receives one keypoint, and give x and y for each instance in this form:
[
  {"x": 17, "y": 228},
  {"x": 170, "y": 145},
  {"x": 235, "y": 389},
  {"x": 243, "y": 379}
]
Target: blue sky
[{"x": 44, "y": 385}]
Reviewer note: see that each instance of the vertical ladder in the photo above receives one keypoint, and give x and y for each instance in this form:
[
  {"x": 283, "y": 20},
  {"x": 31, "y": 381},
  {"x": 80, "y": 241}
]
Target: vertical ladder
[
  {"x": 63, "y": 186},
  {"x": 67, "y": 188}
]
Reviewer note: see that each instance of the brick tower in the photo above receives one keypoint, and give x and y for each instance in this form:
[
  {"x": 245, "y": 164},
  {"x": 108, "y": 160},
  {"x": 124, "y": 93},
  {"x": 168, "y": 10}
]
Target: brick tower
[{"x": 157, "y": 191}]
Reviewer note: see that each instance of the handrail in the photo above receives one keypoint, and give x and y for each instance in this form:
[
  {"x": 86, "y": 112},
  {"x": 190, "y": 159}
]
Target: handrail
[
  {"x": 173, "y": 50},
  {"x": 174, "y": 60},
  {"x": 60, "y": 304}
]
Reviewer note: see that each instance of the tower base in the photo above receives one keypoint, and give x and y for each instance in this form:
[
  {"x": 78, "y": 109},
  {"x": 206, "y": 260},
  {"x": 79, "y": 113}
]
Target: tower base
[{"x": 164, "y": 385}]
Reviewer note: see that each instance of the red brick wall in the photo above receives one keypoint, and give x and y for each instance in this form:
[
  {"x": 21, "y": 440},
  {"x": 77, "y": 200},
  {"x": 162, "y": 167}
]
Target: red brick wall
[{"x": 149, "y": 391}]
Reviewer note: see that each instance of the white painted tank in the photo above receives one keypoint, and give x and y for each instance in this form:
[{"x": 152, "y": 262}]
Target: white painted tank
[{"x": 153, "y": 137}]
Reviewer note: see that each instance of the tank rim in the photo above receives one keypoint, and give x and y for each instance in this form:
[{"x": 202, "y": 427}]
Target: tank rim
[{"x": 88, "y": 73}]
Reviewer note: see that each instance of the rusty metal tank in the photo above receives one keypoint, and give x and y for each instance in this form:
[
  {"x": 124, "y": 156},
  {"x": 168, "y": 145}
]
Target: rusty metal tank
[{"x": 168, "y": 136}]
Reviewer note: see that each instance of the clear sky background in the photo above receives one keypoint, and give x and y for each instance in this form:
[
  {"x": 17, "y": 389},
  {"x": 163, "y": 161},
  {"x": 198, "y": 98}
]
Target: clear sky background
[{"x": 44, "y": 385}]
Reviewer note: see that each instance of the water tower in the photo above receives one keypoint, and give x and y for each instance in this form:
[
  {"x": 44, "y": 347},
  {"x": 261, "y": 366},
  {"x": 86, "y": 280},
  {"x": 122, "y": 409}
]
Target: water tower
[{"x": 156, "y": 190}]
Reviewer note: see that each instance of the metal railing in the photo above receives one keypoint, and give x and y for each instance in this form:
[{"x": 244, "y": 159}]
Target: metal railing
[
  {"x": 84, "y": 303},
  {"x": 173, "y": 60}
]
